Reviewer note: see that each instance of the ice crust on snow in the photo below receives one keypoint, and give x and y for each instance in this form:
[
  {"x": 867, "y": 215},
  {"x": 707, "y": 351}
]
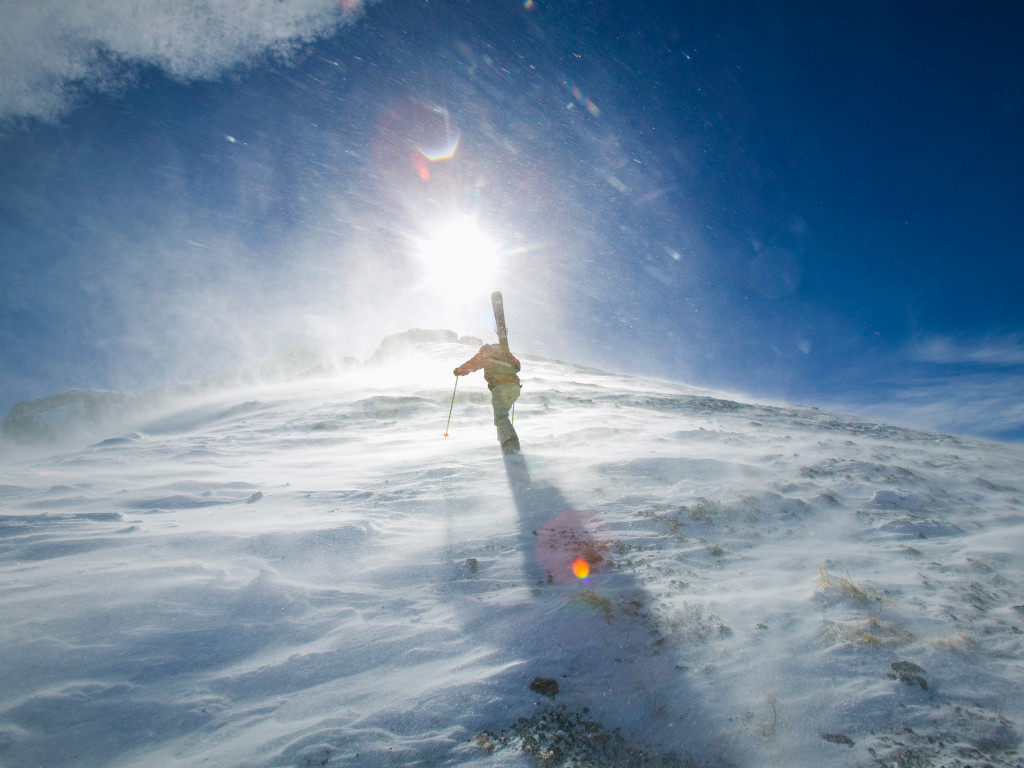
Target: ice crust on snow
[{"x": 301, "y": 570}]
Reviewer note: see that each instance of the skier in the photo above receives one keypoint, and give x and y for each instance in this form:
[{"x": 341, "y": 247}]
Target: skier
[{"x": 500, "y": 369}]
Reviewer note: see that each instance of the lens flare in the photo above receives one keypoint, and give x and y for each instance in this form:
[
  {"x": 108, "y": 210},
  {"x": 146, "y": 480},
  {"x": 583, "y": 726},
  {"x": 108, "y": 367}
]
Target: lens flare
[
  {"x": 572, "y": 545},
  {"x": 444, "y": 150}
]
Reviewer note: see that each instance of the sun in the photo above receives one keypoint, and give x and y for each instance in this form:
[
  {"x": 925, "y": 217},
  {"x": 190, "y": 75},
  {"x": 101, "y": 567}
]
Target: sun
[{"x": 457, "y": 256}]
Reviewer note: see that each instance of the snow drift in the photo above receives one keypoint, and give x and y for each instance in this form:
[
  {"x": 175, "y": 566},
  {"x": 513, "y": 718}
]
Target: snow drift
[{"x": 305, "y": 572}]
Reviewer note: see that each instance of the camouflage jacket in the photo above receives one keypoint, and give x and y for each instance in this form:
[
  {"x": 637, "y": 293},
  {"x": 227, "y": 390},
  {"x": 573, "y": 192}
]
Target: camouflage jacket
[{"x": 500, "y": 366}]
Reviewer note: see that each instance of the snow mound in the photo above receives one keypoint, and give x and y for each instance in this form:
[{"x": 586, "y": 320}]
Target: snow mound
[
  {"x": 309, "y": 572},
  {"x": 70, "y": 417},
  {"x": 400, "y": 344},
  {"x": 79, "y": 417}
]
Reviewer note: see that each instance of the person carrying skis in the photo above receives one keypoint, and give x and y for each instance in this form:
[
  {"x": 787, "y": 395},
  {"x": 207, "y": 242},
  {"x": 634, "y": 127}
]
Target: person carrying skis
[{"x": 500, "y": 369}]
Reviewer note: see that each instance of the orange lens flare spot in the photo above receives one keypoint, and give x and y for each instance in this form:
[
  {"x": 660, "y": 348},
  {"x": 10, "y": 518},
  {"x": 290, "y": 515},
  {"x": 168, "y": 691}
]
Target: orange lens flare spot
[
  {"x": 421, "y": 166},
  {"x": 580, "y": 568}
]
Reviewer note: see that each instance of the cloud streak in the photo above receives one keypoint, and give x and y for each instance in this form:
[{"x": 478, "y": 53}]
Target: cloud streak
[
  {"x": 957, "y": 385},
  {"x": 52, "y": 52},
  {"x": 990, "y": 350},
  {"x": 985, "y": 404}
]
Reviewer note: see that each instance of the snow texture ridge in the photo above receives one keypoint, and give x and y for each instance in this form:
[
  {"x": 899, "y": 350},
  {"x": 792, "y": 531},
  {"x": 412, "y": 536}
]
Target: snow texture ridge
[{"x": 304, "y": 571}]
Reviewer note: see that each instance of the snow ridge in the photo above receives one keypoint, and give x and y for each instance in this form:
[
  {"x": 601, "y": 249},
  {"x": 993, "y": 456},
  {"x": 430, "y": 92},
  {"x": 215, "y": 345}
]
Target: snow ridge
[{"x": 306, "y": 572}]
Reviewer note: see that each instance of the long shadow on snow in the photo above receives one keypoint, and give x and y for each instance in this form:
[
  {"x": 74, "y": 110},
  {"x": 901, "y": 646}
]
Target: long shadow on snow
[{"x": 596, "y": 636}]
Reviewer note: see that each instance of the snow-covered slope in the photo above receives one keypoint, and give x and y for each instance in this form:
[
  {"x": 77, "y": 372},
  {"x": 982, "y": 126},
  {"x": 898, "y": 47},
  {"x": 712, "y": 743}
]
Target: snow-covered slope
[{"x": 307, "y": 572}]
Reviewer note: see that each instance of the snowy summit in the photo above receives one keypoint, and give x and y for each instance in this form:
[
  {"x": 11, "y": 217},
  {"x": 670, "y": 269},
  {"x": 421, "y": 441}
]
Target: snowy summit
[{"x": 304, "y": 571}]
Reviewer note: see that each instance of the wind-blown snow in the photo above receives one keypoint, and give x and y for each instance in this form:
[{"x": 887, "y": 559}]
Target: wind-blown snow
[{"x": 307, "y": 573}]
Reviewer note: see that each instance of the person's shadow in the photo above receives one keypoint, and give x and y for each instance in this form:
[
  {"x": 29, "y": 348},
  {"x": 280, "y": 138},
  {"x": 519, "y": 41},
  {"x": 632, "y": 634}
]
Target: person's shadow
[{"x": 601, "y": 643}]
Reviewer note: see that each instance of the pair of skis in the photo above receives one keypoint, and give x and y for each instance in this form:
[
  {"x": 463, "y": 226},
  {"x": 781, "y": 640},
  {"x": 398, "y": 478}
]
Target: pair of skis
[{"x": 498, "y": 305}]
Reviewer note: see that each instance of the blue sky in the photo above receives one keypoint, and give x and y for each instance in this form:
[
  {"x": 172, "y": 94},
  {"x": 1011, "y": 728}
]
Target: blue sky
[{"x": 811, "y": 204}]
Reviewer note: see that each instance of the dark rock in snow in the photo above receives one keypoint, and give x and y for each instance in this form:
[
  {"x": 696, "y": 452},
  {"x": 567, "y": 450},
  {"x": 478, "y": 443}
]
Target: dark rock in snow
[
  {"x": 545, "y": 686},
  {"x": 909, "y": 673}
]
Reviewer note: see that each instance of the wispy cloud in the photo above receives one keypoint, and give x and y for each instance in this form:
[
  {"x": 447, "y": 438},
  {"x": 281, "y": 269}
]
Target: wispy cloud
[
  {"x": 985, "y": 404},
  {"x": 989, "y": 350},
  {"x": 54, "y": 51},
  {"x": 969, "y": 385}
]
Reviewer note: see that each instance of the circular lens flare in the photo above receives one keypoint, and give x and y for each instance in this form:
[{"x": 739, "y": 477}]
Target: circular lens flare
[{"x": 580, "y": 568}]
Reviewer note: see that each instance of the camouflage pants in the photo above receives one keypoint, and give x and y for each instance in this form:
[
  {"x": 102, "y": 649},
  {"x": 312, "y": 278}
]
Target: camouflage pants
[{"x": 503, "y": 397}]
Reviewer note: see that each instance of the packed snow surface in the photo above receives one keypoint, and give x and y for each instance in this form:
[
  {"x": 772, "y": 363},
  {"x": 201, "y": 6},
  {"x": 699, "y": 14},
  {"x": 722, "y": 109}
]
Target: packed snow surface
[{"x": 307, "y": 572}]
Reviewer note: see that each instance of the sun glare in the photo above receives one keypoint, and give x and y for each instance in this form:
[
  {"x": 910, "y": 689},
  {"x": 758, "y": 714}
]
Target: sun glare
[{"x": 457, "y": 256}]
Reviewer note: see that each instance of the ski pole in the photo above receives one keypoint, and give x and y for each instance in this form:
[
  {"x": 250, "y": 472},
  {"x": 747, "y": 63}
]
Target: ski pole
[{"x": 451, "y": 407}]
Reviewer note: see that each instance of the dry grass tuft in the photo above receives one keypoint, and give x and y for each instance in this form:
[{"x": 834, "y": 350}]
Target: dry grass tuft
[
  {"x": 959, "y": 642},
  {"x": 874, "y": 631},
  {"x": 844, "y": 585}
]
